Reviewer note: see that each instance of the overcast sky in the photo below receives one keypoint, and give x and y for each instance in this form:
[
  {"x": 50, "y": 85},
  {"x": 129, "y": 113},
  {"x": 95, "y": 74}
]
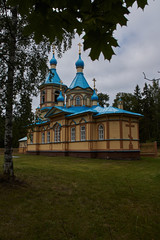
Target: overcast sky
[{"x": 139, "y": 52}]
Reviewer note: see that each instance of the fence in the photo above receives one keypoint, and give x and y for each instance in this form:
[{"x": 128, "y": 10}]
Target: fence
[
  {"x": 15, "y": 150},
  {"x": 148, "y": 149}
]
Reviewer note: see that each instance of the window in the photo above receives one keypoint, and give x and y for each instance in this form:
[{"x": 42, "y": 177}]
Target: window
[
  {"x": 83, "y": 133},
  {"x": 73, "y": 134},
  {"x": 78, "y": 101},
  {"x": 88, "y": 101},
  {"x": 43, "y": 97},
  {"x": 101, "y": 132},
  {"x": 43, "y": 137},
  {"x": 57, "y": 133},
  {"x": 48, "y": 137},
  {"x": 69, "y": 101},
  {"x": 31, "y": 138}
]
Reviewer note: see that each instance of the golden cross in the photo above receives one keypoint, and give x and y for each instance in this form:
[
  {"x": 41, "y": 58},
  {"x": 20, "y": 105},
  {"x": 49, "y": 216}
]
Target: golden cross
[
  {"x": 94, "y": 80},
  {"x": 53, "y": 48},
  {"x": 80, "y": 45}
]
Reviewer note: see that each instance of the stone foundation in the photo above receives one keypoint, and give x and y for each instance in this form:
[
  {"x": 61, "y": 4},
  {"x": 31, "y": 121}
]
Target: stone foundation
[{"x": 115, "y": 155}]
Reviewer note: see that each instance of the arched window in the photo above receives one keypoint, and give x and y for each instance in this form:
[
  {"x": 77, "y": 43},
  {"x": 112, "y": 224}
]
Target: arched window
[
  {"x": 48, "y": 137},
  {"x": 43, "y": 96},
  {"x": 83, "y": 133},
  {"x": 85, "y": 100},
  {"x": 101, "y": 132},
  {"x": 57, "y": 132},
  {"x": 78, "y": 101},
  {"x": 31, "y": 138},
  {"x": 73, "y": 134},
  {"x": 88, "y": 101},
  {"x": 43, "y": 137}
]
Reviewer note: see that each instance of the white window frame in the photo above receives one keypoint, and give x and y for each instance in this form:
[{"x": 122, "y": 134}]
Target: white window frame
[
  {"x": 73, "y": 134},
  {"x": 57, "y": 133},
  {"x": 101, "y": 132},
  {"x": 83, "y": 133},
  {"x": 43, "y": 137},
  {"x": 48, "y": 137}
]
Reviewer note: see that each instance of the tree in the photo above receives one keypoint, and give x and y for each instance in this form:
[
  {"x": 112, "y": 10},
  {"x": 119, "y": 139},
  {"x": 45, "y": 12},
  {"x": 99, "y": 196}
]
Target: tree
[
  {"x": 146, "y": 103},
  {"x": 153, "y": 114},
  {"x": 96, "y": 20},
  {"x": 148, "y": 109},
  {"x": 22, "y": 67},
  {"x": 22, "y": 117},
  {"x": 103, "y": 99},
  {"x": 127, "y": 99},
  {"x": 1, "y": 123},
  {"x": 137, "y": 100}
]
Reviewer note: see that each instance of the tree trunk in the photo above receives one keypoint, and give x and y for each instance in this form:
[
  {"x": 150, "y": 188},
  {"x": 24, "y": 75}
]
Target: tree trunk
[{"x": 8, "y": 162}]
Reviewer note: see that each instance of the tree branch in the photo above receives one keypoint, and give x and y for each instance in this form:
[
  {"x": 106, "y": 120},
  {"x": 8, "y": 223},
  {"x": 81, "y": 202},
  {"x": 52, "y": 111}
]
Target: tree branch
[{"x": 151, "y": 80}]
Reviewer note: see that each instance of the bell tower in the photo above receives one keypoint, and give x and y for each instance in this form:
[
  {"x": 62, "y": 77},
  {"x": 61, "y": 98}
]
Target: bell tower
[{"x": 50, "y": 88}]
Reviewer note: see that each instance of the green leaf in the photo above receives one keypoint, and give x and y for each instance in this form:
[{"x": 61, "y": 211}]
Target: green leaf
[
  {"x": 142, "y": 3},
  {"x": 99, "y": 45}
]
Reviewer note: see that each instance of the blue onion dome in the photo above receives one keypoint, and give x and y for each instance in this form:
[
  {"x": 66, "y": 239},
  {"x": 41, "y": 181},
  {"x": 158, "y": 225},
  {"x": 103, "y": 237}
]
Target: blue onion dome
[
  {"x": 60, "y": 97},
  {"x": 79, "y": 62},
  {"x": 94, "y": 96},
  {"x": 53, "y": 61}
]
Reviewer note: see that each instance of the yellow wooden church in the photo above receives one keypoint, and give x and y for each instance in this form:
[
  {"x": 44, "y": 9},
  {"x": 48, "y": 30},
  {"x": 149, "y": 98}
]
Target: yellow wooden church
[{"x": 70, "y": 122}]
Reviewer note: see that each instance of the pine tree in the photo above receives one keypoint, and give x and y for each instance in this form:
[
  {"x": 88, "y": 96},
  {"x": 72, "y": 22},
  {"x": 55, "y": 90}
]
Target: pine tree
[
  {"x": 156, "y": 110},
  {"x": 148, "y": 108},
  {"x": 137, "y": 100}
]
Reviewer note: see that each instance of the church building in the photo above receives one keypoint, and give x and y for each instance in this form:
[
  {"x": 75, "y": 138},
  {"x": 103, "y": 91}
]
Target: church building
[{"x": 70, "y": 121}]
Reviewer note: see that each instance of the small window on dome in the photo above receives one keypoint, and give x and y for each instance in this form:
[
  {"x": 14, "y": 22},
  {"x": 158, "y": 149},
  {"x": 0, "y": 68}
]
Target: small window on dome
[{"x": 78, "y": 101}]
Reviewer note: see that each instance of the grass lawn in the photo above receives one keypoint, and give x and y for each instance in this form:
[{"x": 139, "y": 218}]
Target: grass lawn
[{"x": 81, "y": 199}]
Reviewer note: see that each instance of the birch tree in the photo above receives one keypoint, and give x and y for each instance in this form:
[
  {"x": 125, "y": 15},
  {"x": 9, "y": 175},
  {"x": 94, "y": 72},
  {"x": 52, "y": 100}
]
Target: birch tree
[{"x": 22, "y": 67}]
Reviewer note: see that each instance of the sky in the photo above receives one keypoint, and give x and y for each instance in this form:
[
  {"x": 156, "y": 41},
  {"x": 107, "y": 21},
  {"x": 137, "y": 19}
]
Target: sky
[{"x": 139, "y": 52}]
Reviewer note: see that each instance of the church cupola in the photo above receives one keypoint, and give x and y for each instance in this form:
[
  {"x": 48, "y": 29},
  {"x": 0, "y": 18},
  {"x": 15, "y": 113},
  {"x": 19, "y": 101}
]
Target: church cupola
[
  {"x": 79, "y": 64},
  {"x": 94, "y": 97},
  {"x": 79, "y": 80},
  {"x": 120, "y": 104},
  {"x": 60, "y": 98},
  {"x": 53, "y": 61},
  {"x": 50, "y": 88},
  {"x": 79, "y": 92}
]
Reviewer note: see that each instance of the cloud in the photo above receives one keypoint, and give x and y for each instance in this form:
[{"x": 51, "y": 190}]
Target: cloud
[{"x": 139, "y": 52}]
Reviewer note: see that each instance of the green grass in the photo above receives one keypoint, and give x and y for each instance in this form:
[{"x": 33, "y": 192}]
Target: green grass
[{"x": 81, "y": 199}]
